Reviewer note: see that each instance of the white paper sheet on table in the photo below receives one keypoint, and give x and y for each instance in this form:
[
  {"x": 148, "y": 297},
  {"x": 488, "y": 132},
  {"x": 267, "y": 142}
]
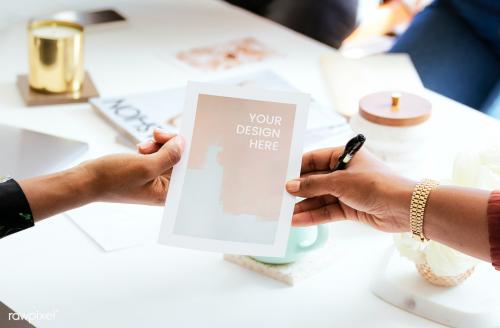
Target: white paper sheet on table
[
  {"x": 118, "y": 226},
  {"x": 350, "y": 79}
]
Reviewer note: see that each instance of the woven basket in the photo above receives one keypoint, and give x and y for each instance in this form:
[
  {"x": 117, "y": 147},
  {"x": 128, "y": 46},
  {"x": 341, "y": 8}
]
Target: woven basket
[{"x": 443, "y": 281}]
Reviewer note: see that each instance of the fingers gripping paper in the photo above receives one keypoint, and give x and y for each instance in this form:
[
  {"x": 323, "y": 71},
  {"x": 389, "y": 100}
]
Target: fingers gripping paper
[{"x": 227, "y": 193}]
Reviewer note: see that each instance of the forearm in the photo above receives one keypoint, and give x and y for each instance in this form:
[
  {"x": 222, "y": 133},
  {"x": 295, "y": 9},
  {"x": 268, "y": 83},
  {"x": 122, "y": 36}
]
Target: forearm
[
  {"x": 457, "y": 217},
  {"x": 59, "y": 192}
]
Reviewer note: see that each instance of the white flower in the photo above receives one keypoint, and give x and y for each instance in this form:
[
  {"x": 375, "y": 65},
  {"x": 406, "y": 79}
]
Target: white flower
[
  {"x": 478, "y": 169},
  {"x": 445, "y": 261},
  {"x": 409, "y": 247}
]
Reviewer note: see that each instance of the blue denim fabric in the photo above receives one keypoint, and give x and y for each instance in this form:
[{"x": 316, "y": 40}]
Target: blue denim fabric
[{"x": 455, "y": 46}]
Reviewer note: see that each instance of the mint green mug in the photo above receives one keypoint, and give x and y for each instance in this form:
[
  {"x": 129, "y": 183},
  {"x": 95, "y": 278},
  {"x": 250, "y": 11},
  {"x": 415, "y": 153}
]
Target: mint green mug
[{"x": 300, "y": 242}]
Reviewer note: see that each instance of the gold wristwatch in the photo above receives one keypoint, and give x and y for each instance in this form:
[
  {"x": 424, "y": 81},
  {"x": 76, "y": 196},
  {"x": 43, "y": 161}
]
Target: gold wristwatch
[{"x": 417, "y": 207}]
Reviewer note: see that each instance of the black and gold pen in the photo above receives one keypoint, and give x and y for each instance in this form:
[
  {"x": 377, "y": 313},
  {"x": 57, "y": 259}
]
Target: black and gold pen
[{"x": 351, "y": 148}]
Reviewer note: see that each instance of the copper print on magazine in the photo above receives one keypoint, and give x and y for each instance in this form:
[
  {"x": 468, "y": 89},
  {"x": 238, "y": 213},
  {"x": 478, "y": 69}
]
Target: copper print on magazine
[{"x": 224, "y": 56}]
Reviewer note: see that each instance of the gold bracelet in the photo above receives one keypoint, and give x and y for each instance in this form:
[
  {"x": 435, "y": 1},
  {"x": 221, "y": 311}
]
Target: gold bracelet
[{"x": 417, "y": 207}]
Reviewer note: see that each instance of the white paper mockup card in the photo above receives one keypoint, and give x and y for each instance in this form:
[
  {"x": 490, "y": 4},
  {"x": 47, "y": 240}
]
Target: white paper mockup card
[{"x": 227, "y": 194}]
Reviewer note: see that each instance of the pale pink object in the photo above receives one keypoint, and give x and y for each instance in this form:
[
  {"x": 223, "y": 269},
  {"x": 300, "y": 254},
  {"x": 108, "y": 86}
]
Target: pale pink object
[{"x": 253, "y": 180}]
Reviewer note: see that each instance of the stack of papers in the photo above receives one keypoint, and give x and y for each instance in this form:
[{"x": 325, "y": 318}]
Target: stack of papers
[{"x": 136, "y": 116}]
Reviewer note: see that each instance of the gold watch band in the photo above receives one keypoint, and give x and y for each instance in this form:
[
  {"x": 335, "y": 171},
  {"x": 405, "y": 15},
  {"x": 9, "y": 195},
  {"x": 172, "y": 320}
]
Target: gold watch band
[{"x": 417, "y": 207}]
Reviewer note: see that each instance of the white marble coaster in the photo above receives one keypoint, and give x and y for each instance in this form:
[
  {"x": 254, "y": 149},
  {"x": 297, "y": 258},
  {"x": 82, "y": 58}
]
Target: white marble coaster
[
  {"x": 474, "y": 303},
  {"x": 290, "y": 274}
]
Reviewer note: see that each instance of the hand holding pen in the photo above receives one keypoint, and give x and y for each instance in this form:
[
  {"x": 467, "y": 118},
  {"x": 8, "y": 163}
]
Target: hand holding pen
[{"x": 348, "y": 183}]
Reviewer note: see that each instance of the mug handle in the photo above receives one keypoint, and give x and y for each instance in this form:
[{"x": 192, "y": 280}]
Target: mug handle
[{"x": 321, "y": 238}]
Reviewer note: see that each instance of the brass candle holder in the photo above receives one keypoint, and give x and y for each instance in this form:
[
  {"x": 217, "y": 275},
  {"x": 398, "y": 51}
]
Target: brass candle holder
[
  {"x": 55, "y": 56},
  {"x": 56, "y": 70}
]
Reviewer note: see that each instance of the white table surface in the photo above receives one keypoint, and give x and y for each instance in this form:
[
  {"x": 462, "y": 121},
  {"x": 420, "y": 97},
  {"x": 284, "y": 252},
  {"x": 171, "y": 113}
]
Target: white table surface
[{"x": 55, "y": 267}]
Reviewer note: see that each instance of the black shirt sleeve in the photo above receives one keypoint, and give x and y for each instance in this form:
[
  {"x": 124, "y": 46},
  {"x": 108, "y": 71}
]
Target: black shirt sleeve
[{"x": 15, "y": 211}]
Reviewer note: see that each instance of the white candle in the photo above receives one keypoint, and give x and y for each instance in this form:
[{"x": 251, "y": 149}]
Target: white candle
[{"x": 54, "y": 32}]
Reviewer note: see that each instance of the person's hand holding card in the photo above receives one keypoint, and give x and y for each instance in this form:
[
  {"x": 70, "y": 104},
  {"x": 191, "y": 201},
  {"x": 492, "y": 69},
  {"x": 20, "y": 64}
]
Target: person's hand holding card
[
  {"x": 119, "y": 178},
  {"x": 227, "y": 193}
]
